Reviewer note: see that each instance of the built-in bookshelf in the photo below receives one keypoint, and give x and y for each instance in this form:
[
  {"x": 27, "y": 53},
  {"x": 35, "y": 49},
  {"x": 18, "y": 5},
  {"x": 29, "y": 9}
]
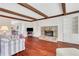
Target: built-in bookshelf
[{"x": 75, "y": 25}]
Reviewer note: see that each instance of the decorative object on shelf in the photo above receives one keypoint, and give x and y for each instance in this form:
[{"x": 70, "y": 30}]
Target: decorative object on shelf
[
  {"x": 14, "y": 32},
  {"x": 21, "y": 36}
]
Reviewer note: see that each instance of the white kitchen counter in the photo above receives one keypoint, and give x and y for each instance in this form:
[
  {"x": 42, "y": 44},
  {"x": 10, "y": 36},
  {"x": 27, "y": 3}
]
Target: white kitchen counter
[{"x": 67, "y": 52}]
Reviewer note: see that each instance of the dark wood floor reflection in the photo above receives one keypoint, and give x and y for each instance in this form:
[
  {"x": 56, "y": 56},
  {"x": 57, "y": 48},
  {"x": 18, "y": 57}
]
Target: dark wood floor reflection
[{"x": 36, "y": 47}]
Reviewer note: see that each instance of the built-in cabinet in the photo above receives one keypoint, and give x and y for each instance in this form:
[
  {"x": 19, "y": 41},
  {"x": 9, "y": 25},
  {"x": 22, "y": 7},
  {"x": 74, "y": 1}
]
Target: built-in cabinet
[
  {"x": 70, "y": 30},
  {"x": 10, "y": 47}
]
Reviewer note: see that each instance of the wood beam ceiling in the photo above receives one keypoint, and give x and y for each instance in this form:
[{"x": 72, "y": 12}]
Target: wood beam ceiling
[
  {"x": 58, "y": 15},
  {"x": 33, "y": 9},
  {"x": 15, "y": 13},
  {"x": 63, "y": 5},
  {"x": 14, "y": 18}
]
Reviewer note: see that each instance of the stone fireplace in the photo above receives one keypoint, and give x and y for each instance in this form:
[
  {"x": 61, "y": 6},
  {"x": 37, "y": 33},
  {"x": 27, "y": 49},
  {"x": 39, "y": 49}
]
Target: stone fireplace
[{"x": 50, "y": 31}]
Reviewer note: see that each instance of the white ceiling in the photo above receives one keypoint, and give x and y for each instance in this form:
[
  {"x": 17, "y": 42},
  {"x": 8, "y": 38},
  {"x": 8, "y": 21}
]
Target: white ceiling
[
  {"x": 72, "y": 7},
  {"x": 19, "y": 9},
  {"x": 8, "y": 14},
  {"x": 50, "y": 9}
]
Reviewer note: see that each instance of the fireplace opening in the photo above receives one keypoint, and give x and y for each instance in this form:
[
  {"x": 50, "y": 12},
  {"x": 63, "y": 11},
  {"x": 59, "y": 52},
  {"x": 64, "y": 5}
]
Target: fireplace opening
[
  {"x": 29, "y": 32},
  {"x": 49, "y": 33}
]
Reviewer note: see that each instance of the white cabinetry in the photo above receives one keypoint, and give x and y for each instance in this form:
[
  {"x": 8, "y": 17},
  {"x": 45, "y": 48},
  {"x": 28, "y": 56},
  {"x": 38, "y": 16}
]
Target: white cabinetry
[{"x": 10, "y": 47}]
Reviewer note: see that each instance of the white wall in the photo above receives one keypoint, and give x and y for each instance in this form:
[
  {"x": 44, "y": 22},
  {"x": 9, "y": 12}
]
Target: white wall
[
  {"x": 48, "y": 22},
  {"x": 64, "y": 24},
  {"x": 4, "y": 21}
]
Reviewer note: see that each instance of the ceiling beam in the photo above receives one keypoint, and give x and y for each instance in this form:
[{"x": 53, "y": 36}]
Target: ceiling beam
[
  {"x": 41, "y": 18},
  {"x": 33, "y": 9},
  {"x": 15, "y": 13},
  {"x": 58, "y": 15},
  {"x": 63, "y": 5},
  {"x": 14, "y": 18},
  {"x": 50, "y": 17}
]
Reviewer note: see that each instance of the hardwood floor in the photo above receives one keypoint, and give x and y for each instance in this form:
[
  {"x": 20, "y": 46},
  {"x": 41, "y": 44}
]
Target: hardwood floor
[{"x": 37, "y": 47}]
